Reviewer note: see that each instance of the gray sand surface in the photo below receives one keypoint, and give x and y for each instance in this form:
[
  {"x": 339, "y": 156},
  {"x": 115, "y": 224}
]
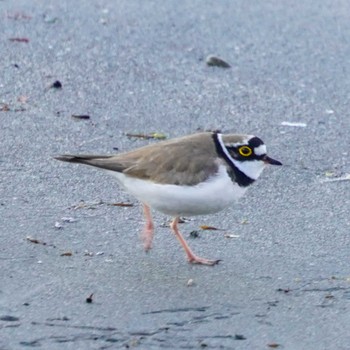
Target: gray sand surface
[{"x": 139, "y": 67}]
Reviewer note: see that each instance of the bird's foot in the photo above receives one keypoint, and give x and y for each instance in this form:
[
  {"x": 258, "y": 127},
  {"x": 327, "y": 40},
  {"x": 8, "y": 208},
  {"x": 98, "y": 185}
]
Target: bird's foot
[{"x": 193, "y": 259}]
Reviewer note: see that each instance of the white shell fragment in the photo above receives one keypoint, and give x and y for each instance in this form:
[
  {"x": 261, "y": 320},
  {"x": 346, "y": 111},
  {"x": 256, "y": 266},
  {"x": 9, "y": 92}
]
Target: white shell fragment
[
  {"x": 346, "y": 177},
  {"x": 297, "y": 124},
  {"x": 190, "y": 282},
  {"x": 230, "y": 235}
]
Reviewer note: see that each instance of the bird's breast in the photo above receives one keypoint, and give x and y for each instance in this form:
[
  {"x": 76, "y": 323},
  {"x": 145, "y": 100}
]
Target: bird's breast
[{"x": 213, "y": 195}]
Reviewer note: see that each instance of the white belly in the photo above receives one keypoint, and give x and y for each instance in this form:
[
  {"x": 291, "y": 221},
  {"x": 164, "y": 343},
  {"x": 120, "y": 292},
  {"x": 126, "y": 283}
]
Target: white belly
[{"x": 208, "y": 197}]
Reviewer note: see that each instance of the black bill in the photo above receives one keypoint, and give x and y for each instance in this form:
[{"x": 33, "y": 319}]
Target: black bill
[{"x": 271, "y": 161}]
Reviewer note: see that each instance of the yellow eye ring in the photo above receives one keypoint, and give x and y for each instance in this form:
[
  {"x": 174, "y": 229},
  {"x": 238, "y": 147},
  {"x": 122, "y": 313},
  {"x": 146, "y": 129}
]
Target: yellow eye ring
[{"x": 245, "y": 151}]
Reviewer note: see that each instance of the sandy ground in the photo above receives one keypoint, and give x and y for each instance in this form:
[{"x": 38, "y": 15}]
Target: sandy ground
[{"x": 139, "y": 67}]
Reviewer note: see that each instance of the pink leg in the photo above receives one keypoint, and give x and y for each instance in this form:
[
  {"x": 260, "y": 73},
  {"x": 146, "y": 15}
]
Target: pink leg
[
  {"x": 192, "y": 258},
  {"x": 147, "y": 234}
]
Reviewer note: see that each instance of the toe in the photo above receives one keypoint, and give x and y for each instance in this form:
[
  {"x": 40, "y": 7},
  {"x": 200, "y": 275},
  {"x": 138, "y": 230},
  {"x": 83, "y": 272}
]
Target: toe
[{"x": 203, "y": 261}]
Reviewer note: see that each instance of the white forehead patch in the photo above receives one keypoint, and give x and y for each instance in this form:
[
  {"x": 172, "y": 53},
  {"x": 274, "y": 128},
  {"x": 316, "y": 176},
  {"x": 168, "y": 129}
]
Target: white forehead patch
[{"x": 259, "y": 151}]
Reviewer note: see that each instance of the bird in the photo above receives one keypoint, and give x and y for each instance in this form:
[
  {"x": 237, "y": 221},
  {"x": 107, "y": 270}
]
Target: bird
[{"x": 197, "y": 174}]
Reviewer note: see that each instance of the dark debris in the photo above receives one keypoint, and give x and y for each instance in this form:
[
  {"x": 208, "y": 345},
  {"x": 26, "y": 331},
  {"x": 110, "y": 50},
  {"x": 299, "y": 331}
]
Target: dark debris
[{"x": 214, "y": 61}]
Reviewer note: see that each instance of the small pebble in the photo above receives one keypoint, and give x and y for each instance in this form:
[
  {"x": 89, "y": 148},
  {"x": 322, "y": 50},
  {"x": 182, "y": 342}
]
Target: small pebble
[
  {"x": 229, "y": 235},
  {"x": 87, "y": 253},
  {"x": 214, "y": 61},
  {"x": 240, "y": 337},
  {"x": 190, "y": 282},
  {"x": 194, "y": 234},
  {"x": 9, "y": 318},
  {"x": 67, "y": 219},
  {"x": 67, "y": 254},
  {"x": 80, "y": 116},
  {"x": 58, "y": 225},
  {"x": 56, "y": 85}
]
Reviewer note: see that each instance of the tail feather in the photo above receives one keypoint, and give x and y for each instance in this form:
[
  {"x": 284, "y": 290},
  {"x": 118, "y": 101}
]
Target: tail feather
[
  {"x": 104, "y": 162},
  {"x": 71, "y": 158}
]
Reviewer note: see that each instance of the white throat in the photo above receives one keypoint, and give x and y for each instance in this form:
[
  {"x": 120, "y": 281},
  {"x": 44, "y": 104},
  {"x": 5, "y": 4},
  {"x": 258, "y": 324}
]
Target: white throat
[{"x": 251, "y": 168}]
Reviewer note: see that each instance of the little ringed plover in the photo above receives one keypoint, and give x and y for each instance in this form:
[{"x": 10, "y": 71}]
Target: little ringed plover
[{"x": 191, "y": 175}]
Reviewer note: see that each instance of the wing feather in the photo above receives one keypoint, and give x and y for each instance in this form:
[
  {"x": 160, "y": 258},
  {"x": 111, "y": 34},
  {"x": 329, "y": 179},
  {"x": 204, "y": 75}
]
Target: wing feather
[{"x": 183, "y": 161}]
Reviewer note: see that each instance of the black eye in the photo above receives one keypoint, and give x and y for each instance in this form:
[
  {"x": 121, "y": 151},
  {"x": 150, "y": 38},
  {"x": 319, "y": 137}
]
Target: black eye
[{"x": 245, "y": 151}]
